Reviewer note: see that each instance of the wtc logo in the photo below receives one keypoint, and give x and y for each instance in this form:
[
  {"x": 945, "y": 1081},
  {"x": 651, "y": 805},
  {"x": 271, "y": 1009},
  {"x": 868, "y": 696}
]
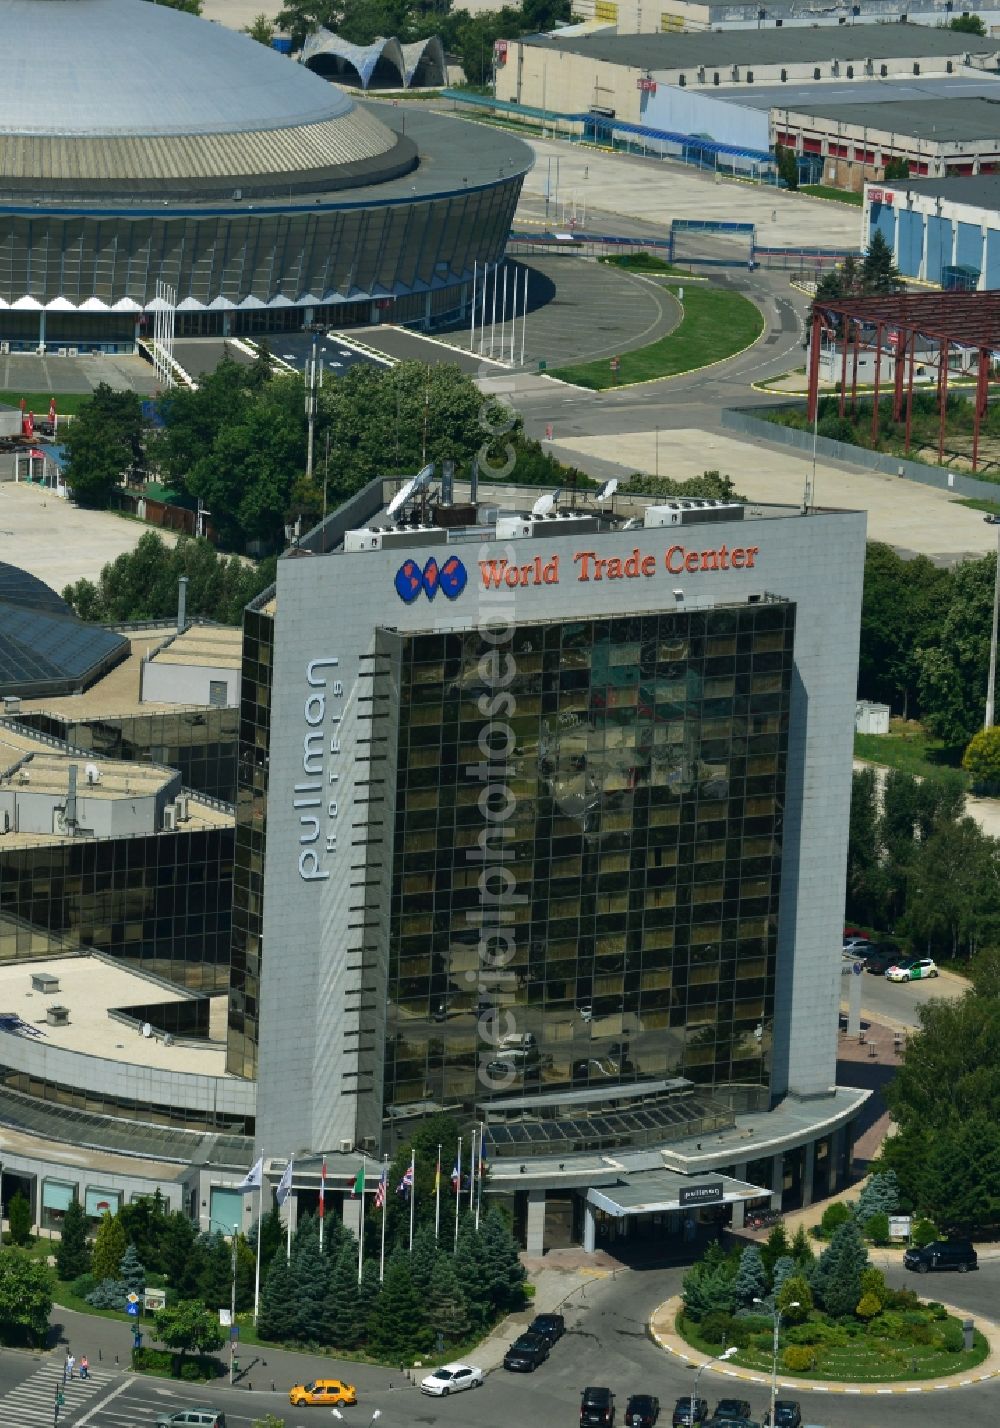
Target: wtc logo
[{"x": 450, "y": 578}]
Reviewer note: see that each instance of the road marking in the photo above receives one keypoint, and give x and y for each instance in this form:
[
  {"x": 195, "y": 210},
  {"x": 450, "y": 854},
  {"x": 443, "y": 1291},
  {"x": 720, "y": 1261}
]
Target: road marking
[{"x": 125, "y": 1383}]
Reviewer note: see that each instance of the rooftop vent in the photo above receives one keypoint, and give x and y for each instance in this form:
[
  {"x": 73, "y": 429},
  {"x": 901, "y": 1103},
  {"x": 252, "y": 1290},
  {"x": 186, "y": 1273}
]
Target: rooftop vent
[
  {"x": 44, "y": 982},
  {"x": 57, "y": 1016}
]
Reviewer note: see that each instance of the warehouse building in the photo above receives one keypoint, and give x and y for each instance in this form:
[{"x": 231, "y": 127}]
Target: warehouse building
[
  {"x": 634, "y": 78},
  {"x": 942, "y": 231},
  {"x": 674, "y": 16}
]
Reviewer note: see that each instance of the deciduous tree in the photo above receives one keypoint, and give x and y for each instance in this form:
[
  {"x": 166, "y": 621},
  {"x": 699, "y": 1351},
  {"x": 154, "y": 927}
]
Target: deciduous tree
[
  {"x": 189, "y": 1327},
  {"x": 25, "y": 1298}
]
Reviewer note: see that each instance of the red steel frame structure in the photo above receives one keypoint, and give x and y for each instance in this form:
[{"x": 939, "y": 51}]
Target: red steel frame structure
[{"x": 959, "y": 320}]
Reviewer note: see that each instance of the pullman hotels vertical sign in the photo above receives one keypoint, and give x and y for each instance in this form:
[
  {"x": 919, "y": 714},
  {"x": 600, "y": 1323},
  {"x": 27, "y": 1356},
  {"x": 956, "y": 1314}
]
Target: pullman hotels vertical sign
[{"x": 315, "y": 795}]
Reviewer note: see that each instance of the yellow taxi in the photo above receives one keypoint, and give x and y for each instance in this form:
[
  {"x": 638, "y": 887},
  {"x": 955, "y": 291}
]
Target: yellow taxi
[{"x": 322, "y": 1390}]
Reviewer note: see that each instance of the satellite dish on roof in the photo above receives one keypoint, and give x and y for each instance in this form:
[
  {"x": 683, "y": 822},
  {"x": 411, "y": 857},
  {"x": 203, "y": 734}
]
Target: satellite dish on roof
[
  {"x": 607, "y": 491},
  {"x": 546, "y": 503},
  {"x": 415, "y": 484},
  {"x": 147, "y": 1030},
  {"x": 92, "y": 773}
]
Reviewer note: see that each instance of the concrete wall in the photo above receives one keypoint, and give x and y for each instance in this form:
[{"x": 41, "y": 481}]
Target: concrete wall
[
  {"x": 163, "y": 683},
  {"x": 938, "y": 476},
  {"x": 320, "y": 824}
]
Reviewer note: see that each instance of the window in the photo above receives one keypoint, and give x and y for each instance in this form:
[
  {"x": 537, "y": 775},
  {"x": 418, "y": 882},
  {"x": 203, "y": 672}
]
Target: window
[
  {"x": 226, "y": 1210},
  {"x": 98, "y": 1202},
  {"x": 57, "y": 1196},
  {"x": 217, "y": 693}
]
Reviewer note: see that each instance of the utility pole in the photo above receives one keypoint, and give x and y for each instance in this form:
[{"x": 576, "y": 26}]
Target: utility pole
[
  {"x": 992, "y": 682},
  {"x": 314, "y": 380}
]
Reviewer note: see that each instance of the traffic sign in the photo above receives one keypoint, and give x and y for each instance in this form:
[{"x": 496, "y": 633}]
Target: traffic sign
[
  {"x": 857, "y": 969},
  {"x": 132, "y": 1307}
]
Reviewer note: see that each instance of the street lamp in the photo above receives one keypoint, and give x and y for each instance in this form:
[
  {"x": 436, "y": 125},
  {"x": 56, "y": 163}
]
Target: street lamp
[
  {"x": 232, "y": 1296},
  {"x": 719, "y": 1359},
  {"x": 776, "y": 1318}
]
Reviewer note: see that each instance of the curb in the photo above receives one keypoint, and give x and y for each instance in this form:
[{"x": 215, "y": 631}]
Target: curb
[
  {"x": 695, "y": 1359},
  {"x": 673, "y": 376}
]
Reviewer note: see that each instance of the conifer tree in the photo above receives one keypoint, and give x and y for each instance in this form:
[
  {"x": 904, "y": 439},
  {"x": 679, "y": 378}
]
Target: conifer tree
[
  {"x": 473, "y": 1279},
  {"x": 131, "y": 1271},
  {"x": 778, "y": 1244},
  {"x": 447, "y": 1312},
  {"x": 784, "y": 1268},
  {"x": 277, "y": 1318},
  {"x": 398, "y": 1327},
  {"x": 751, "y": 1280},
  {"x": 423, "y": 1260},
  {"x": 836, "y": 1278},
  {"x": 73, "y": 1254},
  {"x": 109, "y": 1246},
  {"x": 341, "y": 1315},
  {"x": 501, "y": 1263},
  {"x": 368, "y": 1301},
  {"x": 311, "y": 1273}
]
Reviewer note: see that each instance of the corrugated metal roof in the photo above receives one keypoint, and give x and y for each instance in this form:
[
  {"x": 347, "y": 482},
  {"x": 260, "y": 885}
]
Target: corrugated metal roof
[{"x": 941, "y": 121}]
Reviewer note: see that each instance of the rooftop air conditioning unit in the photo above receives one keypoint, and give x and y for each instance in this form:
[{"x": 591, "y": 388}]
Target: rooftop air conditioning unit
[
  {"x": 23, "y": 776},
  {"x": 183, "y": 811},
  {"x": 4, "y": 821},
  {"x": 346, "y": 1146},
  {"x": 73, "y": 352},
  {"x": 92, "y": 773},
  {"x": 44, "y": 982},
  {"x": 12, "y": 704},
  {"x": 61, "y": 352},
  {"x": 170, "y": 818},
  {"x": 5, "y": 349},
  {"x": 57, "y": 1016}
]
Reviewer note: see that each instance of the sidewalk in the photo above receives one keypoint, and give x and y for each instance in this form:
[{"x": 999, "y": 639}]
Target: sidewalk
[{"x": 661, "y": 1328}]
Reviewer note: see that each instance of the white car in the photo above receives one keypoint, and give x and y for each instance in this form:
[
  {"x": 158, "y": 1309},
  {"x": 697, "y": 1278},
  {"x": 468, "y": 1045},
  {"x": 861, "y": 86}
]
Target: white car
[
  {"x": 452, "y": 1378},
  {"x": 918, "y": 969}
]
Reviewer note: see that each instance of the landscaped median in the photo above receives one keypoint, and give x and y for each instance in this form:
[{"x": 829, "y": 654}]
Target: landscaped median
[{"x": 716, "y": 325}]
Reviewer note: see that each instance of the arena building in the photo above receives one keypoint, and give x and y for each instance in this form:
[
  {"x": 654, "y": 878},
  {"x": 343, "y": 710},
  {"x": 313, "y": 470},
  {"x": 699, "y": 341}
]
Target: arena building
[
  {"x": 175, "y": 152},
  {"x": 548, "y": 831}
]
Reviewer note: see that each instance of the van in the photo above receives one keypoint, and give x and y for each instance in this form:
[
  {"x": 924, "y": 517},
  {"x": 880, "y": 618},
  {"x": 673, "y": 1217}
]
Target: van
[{"x": 518, "y": 1041}]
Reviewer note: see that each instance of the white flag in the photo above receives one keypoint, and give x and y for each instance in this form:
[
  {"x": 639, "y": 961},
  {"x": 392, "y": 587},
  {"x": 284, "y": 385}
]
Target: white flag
[
  {"x": 284, "y": 1184},
  {"x": 253, "y": 1179}
]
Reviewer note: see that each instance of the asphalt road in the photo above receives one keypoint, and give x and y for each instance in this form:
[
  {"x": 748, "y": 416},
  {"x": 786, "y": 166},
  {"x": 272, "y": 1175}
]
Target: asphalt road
[
  {"x": 606, "y": 1343},
  {"x": 887, "y": 1002}
]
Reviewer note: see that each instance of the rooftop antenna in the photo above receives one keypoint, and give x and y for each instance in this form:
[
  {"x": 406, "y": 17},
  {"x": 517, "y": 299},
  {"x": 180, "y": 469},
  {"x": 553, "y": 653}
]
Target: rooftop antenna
[
  {"x": 547, "y": 503},
  {"x": 607, "y": 491}
]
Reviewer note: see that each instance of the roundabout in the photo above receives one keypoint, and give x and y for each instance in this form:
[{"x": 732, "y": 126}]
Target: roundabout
[{"x": 663, "y": 1331}]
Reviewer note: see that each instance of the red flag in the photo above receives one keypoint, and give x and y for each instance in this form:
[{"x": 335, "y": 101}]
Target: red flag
[
  {"x": 52, "y": 411},
  {"x": 322, "y": 1188},
  {"x": 28, "y": 425}
]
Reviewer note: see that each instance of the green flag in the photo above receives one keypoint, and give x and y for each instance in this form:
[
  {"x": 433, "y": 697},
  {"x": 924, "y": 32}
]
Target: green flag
[{"x": 359, "y": 1183}]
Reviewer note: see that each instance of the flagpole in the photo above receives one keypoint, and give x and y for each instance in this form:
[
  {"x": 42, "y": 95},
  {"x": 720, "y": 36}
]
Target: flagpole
[
  {"x": 437, "y": 1199},
  {"x": 458, "y": 1191},
  {"x": 288, "y": 1245},
  {"x": 472, "y": 1170},
  {"x": 260, "y": 1236},
  {"x": 479, "y": 1192},
  {"x": 361, "y": 1235},
  {"x": 385, "y": 1198},
  {"x": 322, "y": 1200},
  {"x": 413, "y": 1191}
]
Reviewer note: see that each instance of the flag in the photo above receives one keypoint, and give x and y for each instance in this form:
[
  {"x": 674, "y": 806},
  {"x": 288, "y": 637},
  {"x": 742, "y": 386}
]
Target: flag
[
  {"x": 358, "y": 1188},
  {"x": 253, "y": 1179},
  {"x": 52, "y": 410},
  {"x": 406, "y": 1184},
  {"x": 380, "y": 1191},
  {"x": 482, "y": 1152},
  {"x": 437, "y": 1175},
  {"x": 456, "y": 1177},
  {"x": 322, "y": 1189},
  {"x": 284, "y": 1184}
]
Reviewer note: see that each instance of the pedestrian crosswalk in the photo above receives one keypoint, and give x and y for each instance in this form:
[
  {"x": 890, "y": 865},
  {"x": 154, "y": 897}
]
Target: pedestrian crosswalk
[{"x": 33, "y": 1403}]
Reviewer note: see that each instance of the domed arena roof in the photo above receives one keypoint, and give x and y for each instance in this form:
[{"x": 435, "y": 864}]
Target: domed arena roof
[
  {"x": 99, "y": 95},
  {"x": 44, "y": 648}
]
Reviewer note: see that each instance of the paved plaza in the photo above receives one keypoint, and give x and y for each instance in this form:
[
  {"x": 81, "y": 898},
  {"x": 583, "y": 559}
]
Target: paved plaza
[{"x": 27, "y": 372}]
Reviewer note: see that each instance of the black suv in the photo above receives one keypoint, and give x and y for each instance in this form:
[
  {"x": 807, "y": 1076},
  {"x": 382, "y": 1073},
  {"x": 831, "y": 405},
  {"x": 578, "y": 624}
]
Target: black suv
[
  {"x": 787, "y": 1414},
  {"x": 730, "y": 1408},
  {"x": 526, "y": 1353},
  {"x": 682, "y": 1412},
  {"x": 550, "y": 1326},
  {"x": 642, "y": 1411},
  {"x": 597, "y": 1407},
  {"x": 942, "y": 1254}
]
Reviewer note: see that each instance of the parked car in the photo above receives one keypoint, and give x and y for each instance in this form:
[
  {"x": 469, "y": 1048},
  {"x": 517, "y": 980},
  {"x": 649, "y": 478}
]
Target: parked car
[
  {"x": 853, "y": 946},
  {"x": 597, "y": 1407},
  {"x": 728, "y": 1409},
  {"x": 878, "y": 962},
  {"x": 682, "y": 1412},
  {"x": 992, "y": 520},
  {"x": 550, "y": 1326},
  {"x": 642, "y": 1410},
  {"x": 322, "y": 1390},
  {"x": 518, "y": 1041},
  {"x": 787, "y": 1414},
  {"x": 730, "y": 1423},
  {"x": 942, "y": 1254},
  {"x": 526, "y": 1353},
  {"x": 189, "y": 1417},
  {"x": 451, "y": 1378},
  {"x": 917, "y": 969}
]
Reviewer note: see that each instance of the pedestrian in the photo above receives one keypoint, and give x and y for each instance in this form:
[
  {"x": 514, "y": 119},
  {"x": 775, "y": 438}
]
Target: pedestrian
[
  {"x": 70, "y": 1365},
  {"x": 84, "y": 1366}
]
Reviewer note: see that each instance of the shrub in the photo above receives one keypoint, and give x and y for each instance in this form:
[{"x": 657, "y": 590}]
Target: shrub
[
  {"x": 902, "y": 1299},
  {"x": 877, "y": 1228},
  {"x": 799, "y": 1358},
  {"x": 167, "y": 1364},
  {"x": 951, "y": 1337},
  {"x": 868, "y": 1307},
  {"x": 810, "y": 1333},
  {"x": 83, "y": 1285},
  {"x": 109, "y": 1294},
  {"x": 937, "y": 1311},
  {"x": 834, "y": 1216},
  {"x": 923, "y": 1232},
  {"x": 714, "y": 1328}
]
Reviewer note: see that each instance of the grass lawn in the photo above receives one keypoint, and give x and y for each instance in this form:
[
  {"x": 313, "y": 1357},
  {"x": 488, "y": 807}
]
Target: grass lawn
[
  {"x": 909, "y": 748},
  {"x": 863, "y": 1359},
  {"x": 644, "y": 263},
  {"x": 837, "y": 195},
  {"x": 67, "y": 403},
  {"x": 989, "y": 508},
  {"x": 715, "y": 325}
]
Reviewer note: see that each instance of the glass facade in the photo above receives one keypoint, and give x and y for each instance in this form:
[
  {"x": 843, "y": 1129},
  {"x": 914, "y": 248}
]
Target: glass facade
[
  {"x": 251, "y": 820},
  {"x": 44, "y": 1093},
  {"x": 200, "y": 743},
  {"x": 586, "y": 874},
  {"x": 162, "y": 903}
]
